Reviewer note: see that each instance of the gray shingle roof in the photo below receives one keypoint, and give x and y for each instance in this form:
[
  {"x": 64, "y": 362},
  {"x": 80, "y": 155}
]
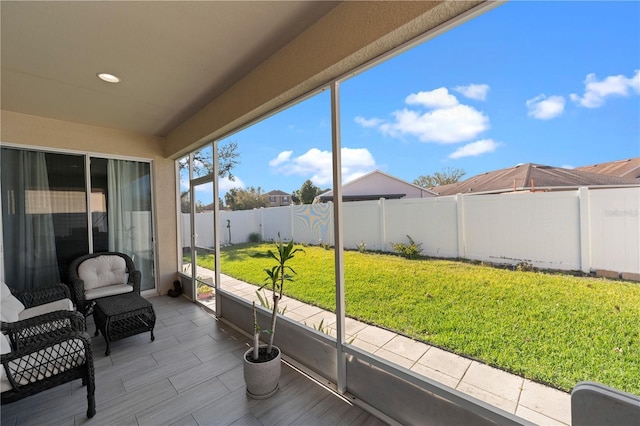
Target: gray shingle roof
[
  {"x": 629, "y": 168},
  {"x": 531, "y": 176}
]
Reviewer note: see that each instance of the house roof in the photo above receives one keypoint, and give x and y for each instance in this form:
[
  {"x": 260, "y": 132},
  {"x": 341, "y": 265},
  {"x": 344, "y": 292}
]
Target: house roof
[
  {"x": 373, "y": 194},
  {"x": 629, "y": 168},
  {"x": 530, "y": 176},
  {"x": 277, "y": 192}
]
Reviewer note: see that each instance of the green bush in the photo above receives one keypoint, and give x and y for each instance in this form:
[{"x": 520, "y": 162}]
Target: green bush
[
  {"x": 254, "y": 237},
  {"x": 410, "y": 251}
]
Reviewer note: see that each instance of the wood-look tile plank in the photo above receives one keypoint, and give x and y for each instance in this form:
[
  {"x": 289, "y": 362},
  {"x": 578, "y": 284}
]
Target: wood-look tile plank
[
  {"x": 168, "y": 354},
  {"x": 182, "y": 404},
  {"x": 203, "y": 372},
  {"x": 296, "y": 396},
  {"x": 226, "y": 410},
  {"x": 128, "y": 404},
  {"x": 233, "y": 379},
  {"x": 161, "y": 372},
  {"x": 185, "y": 421}
]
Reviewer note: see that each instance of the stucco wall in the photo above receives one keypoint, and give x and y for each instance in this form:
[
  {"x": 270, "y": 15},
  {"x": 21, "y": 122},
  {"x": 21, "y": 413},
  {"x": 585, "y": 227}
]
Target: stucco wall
[{"x": 21, "y": 129}]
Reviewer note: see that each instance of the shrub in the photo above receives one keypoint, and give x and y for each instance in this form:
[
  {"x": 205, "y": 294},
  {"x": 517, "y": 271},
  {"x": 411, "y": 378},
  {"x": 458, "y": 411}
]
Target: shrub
[
  {"x": 410, "y": 251},
  {"x": 254, "y": 237},
  {"x": 362, "y": 247}
]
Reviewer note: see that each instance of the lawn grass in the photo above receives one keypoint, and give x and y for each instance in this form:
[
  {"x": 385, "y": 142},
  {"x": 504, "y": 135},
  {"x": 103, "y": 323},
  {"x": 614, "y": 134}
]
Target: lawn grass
[{"x": 553, "y": 328}]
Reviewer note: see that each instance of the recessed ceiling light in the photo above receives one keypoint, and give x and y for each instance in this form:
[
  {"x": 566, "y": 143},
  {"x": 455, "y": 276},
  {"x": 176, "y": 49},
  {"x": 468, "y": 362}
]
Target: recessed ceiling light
[{"x": 109, "y": 78}]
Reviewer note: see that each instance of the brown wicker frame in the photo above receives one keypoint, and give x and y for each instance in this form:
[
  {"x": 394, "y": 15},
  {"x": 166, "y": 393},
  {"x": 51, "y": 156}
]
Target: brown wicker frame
[
  {"x": 76, "y": 284},
  {"x": 56, "y": 346}
]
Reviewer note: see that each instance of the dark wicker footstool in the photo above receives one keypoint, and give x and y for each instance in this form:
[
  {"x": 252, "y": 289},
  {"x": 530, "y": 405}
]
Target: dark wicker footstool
[{"x": 122, "y": 316}]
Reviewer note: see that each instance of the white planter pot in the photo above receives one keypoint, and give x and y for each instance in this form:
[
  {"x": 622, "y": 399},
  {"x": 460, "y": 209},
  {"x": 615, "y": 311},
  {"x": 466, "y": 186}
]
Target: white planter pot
[{"x": 261, "y": 378}]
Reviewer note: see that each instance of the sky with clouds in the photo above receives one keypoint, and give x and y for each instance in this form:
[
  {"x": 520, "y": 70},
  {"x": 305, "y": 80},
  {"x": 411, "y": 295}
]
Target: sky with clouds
[{"x": 555, "y": 83}]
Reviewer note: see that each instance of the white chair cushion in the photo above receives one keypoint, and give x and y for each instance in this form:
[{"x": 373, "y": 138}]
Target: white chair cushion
[
  {"x": 56, "y": 365},
  {"x": 5, "y": 348},
  {"x": 107, "y": 291},
  {"x": 58, "y": 305},
  {"x": 103, "y": 271},
  {"x": 10, "y": 306}
]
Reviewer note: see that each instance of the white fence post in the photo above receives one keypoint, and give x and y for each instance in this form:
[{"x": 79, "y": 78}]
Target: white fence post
[
  {"x": 383, "y": 225},
  {"x": 460, "y": 217},
  {"x": 291, "y": 220},
  {"x": 585, "y": 235}
]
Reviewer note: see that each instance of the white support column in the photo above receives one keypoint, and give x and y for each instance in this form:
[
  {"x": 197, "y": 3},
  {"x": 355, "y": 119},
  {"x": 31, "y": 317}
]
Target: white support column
[
  {"x": 337, "y": 235},
  {"x": 585, "y": 235},
  {"x": 216, "y": 240}
]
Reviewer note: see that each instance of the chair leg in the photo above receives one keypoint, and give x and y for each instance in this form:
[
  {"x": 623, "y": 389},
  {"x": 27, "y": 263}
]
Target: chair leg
[
  {"x": 91, "y": 399},
  {"x": 89, "y": 379}
]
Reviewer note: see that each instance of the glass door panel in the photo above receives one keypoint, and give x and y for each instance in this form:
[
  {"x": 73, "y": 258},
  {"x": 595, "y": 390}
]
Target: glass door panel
[
  {"x": 121, "y": 212},
  {"x": 44, "y": 216},
  {"x": 204, "y": 242}
]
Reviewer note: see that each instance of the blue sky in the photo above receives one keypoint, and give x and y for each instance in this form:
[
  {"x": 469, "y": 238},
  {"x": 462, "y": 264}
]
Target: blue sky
[{"x": 556, "y": 83}]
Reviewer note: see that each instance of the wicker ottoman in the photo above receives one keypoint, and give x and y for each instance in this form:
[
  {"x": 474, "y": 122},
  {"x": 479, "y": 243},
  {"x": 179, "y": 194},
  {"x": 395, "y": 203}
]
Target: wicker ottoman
[{"x": 122, "y": 316}]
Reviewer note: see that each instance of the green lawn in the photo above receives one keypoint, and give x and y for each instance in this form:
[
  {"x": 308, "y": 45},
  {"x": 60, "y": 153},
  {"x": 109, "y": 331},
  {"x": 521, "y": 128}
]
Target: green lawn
[{"x": 553, "y": 328}]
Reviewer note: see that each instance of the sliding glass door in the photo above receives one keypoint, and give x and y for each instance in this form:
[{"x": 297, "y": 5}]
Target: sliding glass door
[
  {"x": 46, "y": 221},
  {"x": 121, "y": 212}
]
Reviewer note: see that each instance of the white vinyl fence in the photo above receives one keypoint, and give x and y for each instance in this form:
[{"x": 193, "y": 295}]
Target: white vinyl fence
[{"x": 569, "y": 230}]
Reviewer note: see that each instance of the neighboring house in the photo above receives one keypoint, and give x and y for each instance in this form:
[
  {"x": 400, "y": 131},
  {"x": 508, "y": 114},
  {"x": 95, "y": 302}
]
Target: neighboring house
[
  {"x": 622, "y": 168},
  {"x": 531, "y": 177},
  {"x": 376, "y": 185},
  {"x": 277, "y": 198}
]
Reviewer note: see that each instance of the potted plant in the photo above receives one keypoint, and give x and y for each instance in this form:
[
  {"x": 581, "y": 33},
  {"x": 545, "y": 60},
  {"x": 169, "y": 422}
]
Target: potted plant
[{"x": 262, "y": 362}]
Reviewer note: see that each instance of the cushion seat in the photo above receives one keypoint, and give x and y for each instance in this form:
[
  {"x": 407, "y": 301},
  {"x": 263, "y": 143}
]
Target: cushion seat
[
  {"x": 110, "y": 290},
  {"x": 58, "y": 305}
]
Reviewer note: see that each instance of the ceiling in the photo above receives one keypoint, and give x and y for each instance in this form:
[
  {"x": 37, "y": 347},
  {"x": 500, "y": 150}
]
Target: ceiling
[{"x": 173, "y": 57}]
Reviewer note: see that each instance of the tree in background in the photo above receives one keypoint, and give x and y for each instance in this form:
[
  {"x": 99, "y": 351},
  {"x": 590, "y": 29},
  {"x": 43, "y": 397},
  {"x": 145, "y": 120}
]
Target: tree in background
[
  {"x": 203, "y": 165},
  {"x": 307, "y": 193},
  {"x": 445, "y": 177},
  {"x": 245, "y": 199},
  {"x": 227, "y": 159}
]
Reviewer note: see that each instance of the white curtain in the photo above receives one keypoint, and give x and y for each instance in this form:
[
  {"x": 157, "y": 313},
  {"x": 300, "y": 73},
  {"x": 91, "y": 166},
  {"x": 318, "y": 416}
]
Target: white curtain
[
  {"x": 28, "y": 232},
  {"x": 129, "y": 214}
]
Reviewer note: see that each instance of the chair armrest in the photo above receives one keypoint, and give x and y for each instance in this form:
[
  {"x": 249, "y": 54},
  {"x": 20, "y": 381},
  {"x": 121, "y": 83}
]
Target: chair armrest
[
  {"x": 77, "y": 291},
  {"x": 134, "y": 279},
  {"x": 27, "y": 364},
  {"x": 43, "y": 295},
  {"x": 31, "y": 331}
]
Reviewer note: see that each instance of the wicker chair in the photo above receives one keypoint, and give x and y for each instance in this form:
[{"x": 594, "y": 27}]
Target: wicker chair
[
  {"x": 98, "y": 275},
  {"x": 45, "y": 351}
]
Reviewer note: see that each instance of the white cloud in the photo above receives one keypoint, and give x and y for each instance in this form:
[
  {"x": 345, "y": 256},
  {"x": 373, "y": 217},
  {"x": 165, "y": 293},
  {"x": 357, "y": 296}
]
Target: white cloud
[
  {"x": 316, "y": 165},
  {"x": 596, "y": 92},
  {"x": 364, "y": 122},
  {"x": 545, "y": 108},
  {"x": 435, "y": 116},
  {"x": 283, "y": 157},
  {"x": 567, "y": 166},
  {"x": 475, "y": 148},
  {"x": 226, "y": 184},
  {"x": 447, "y": 125},
  {"x": 473, "y": 91},
  {"x": 438, "y": 98}
]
